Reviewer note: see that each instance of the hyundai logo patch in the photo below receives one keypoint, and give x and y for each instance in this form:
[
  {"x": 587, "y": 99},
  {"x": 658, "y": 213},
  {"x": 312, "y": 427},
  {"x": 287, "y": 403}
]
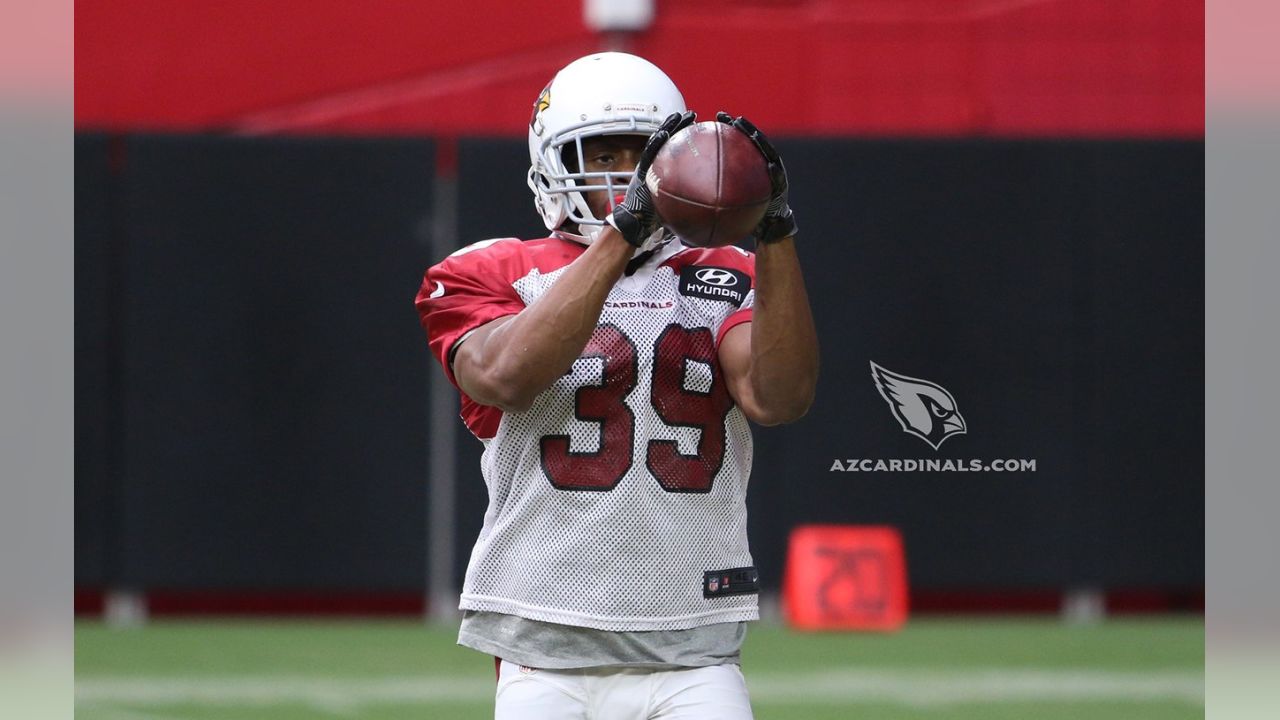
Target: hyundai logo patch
[{"x": 715, "y": 283}]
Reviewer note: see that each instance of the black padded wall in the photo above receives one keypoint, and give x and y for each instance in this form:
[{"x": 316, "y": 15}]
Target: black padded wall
[
  {"x": 273, "y": 393},
  {"x": 96, "y": 440},
  {"x": 267, "y": 374}
]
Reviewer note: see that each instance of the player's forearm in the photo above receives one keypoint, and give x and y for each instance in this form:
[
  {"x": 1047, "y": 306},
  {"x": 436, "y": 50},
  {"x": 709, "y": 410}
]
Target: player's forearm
[
  {"x": 784, "y": 343},
  {"x": 523, "y": 357}
]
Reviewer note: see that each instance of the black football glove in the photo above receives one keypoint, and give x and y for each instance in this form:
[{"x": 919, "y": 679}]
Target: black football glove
[
  {"x": 635, "y": 217},
  {"x": 778, "y": 222}
]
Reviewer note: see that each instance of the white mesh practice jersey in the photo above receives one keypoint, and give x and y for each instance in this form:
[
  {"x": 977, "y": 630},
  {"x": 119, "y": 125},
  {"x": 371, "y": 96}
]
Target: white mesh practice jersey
[{"x": 618, "y": 500}]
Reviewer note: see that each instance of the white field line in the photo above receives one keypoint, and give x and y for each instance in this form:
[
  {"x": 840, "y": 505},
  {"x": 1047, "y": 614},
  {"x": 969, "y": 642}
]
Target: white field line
[{"x": 845, "y": 685}]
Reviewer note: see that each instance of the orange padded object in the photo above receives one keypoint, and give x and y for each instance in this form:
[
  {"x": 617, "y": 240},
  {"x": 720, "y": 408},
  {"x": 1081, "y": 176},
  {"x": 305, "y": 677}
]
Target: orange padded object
[{"x": 845, "y": 577}]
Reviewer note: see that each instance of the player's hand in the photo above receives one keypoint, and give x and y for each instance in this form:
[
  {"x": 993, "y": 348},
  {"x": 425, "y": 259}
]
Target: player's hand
[
  {"x": 778, "y": 222},
  {"x": 635, "y": 218}
]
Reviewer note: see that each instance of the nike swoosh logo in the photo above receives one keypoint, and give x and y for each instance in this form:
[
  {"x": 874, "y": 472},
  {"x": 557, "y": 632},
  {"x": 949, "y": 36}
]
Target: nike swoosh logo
[{"x": 438, "y": 292}]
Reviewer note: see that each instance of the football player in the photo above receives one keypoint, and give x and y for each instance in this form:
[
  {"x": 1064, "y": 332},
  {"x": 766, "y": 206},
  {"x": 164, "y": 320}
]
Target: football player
[{"x": 611, "y": 372}]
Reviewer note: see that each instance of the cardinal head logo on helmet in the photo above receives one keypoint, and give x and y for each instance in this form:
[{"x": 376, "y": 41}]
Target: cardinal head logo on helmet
[{"x": 544, "y": 102}]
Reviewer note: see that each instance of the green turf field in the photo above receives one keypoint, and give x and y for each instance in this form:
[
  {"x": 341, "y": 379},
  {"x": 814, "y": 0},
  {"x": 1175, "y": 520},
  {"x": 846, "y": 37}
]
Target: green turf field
[{"x": 936, "y": 668}]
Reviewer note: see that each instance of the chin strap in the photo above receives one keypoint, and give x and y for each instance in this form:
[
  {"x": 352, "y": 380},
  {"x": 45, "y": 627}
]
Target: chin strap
[{"x": 574, "y": 237}]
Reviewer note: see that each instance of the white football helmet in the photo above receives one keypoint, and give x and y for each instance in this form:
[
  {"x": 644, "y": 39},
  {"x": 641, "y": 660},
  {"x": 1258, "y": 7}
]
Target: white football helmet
[{"x": 608, "y": 93}]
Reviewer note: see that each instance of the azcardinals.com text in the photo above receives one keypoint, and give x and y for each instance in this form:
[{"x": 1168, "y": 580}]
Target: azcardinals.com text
[{"x": 932, "y": 465}]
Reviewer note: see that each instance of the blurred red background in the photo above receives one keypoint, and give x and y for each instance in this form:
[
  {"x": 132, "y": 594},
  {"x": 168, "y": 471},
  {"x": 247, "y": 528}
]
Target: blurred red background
[{"x": 824, "y": 67}]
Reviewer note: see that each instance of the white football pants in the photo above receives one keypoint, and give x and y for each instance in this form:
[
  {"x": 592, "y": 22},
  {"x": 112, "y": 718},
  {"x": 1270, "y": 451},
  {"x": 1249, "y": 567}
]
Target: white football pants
[{"x": 709, "y": 693}]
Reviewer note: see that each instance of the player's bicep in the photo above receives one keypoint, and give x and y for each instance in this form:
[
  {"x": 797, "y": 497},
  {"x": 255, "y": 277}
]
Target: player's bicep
[
  {"x": 735, "y": 363},
  {"x": 472, "y": 363}
]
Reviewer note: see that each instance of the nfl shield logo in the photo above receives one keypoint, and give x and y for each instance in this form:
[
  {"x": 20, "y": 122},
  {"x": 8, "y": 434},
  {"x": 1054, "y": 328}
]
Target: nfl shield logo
[{"x": 713, "y": 584}]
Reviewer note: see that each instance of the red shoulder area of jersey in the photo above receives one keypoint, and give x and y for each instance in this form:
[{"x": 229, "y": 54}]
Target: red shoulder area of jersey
[
  {"x": 511, "y": 258},
  {"x": 475, "y": 286},
  {"x": 729, "y": 256}
]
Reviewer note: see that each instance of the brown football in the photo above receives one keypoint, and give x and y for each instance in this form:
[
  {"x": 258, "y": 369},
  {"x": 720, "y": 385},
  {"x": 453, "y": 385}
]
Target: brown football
[{"x": 710, "y": 184}]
